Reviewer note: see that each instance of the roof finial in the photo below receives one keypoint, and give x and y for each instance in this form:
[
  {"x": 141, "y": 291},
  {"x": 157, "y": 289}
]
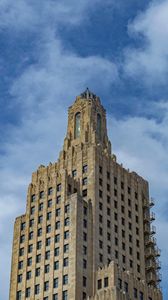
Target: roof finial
[{"x": 88, "y": 94}]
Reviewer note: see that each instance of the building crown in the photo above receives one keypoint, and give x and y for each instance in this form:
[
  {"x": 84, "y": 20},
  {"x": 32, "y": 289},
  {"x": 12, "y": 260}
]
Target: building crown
[{"x": 87, "y": 94}]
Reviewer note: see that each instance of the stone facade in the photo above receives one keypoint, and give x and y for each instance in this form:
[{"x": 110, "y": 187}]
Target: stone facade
[{"x": 86, "y": 217}]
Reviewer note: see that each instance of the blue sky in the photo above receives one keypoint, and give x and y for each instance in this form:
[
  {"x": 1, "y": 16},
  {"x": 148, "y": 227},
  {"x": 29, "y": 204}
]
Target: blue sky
[{"x": 50, "y": 51}]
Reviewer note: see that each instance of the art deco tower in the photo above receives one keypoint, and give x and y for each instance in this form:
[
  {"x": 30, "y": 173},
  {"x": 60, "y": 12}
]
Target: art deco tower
[{"x": 87, "y": 231}]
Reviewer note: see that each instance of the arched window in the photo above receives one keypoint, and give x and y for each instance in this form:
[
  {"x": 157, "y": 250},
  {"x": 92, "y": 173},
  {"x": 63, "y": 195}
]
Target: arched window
[
  {"x": 99, "y": 125},
  {"x": 77, "y": 125}
]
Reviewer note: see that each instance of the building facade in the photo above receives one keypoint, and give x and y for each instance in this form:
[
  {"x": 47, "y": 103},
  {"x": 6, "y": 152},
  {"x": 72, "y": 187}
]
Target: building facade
[{"x": 87, "y": 231}]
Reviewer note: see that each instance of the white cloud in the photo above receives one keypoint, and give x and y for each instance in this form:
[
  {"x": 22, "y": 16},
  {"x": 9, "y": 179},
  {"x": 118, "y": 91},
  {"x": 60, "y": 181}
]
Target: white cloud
[{"x": 150, "y": 61}]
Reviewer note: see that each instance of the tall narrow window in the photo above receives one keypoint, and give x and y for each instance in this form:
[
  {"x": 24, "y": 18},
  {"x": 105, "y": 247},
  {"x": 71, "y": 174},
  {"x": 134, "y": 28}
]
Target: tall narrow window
[
  {"x": 77, "y": 125},
  {"x": 99, "y": 125}
]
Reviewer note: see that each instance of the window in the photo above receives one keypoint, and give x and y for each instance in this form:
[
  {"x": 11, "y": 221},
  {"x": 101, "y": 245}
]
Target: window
[
  {"x": 108, "y": 236},
  {"x": 59, "y": 187},
  {"x": 108, "y": 187},
  {"x": 41, "y": 194},
  {"x": 66, "y": 234},
  {"x": 122, "y": 209},
  {"x": 100, "y": 230},
  {"x": 84, "y": 193},
  {"x": 116, "y": 254},
  {"x": 108, "y": 211},
  {"x": 39, "y": 245},
  {"x": 21, "y": 252},
  {"x": 29, "y": 261},
  {"x": 65, "y": 279},
  {"x": 122, "y": 197},
  {"x": 130, "y": 250},
  {"x": 33, "y": 198},
  {"x": 123, "y": 259},
  {"x": 126, "y": 287},
  {"x": 100, "y": 257},
  {"x": 37, "y": 272},
  {"x": 141, "y": 296},
  {"x": 28, "y": 291},
  {"x": 116, "y": 241},
  {"x": 28, "y": 275},
  {"x": 100, "y": 194},
  {"x": 108, "y": 199},
  {"x": 122, "y": 185},
  {"x": 48, "y": 242},
  {"x": 20, "y": 265},
  {"x": 108, "y": 175},
  {"x": 123, "y": 233},
  {"x": 131, "y": 264},
  {"x": 84, "y": 281},
  {"x": 58, "y": 200},
  {"x": 38, "y": 258},
  {"x": 67, "y": 208},
  {"x": 136, "y": 218},
  {"x": 84, "y": 250},
  {"x": 137, "y": 243},
  {"x": 66, "y": 222},
  {"x": 50, "y": 191},
  {"x": 66, "y": 248},
  {"x": 84, "y": 223},
  {"x": 39, "y": 232},
  {"x": 23, "y": 225},
  {"x": 109, "y": 249},
  {"x": 32, "y": 210},
  {"x": 37, "y": 289},
  {"x": 84, "y": 181},
  {"x": 46, "y": 286},
  {"x": 136, "y": 195},
  {"x": 100, "y": 181},
  {"x": 84, "y": 236},
  {"x": 100, "y": 206},
  {"x": 74, "y": 173},
  {"x": 129, "y": 214},
  {"x": 115, "y": 192},
  {"x": 48, "y": 229},
  {"x": 135, "y": 293},
  {"x": 65, "y": 295},
  {"x": 136, "y": 207},
  {"x": 57, "y": 225},
  {"x": 116, "y": 228},
  {"x": 31, "y": 222},
  {"x": 100, "y": 244},
  {"x": 55, "y": 297},
  {"x": 100, "y": 218},
  {"x": 99, "y": 125},
  {"x": 115, "y": 180},
  {"x": 55, "y": 283},
  {"x": 56, "y": 265},
  {"x": 77, "y": 125},
  {"x": 57, "y": 238},
  {"x": 84, "y": 295},
  {"x": 130, "y": 238},
  {"x": 47, "y": 268},
  {"x": 138, "y": 268},
  {"x": 58, "y": 212},
  {"x": 137, "y": 230},
  {"x": 99, "y": 284},
  {"x": 49, "y": 214},
  {"x": 19, "y": 278},
  {"x": 40, "y": 219},
  {"x": 116, "y": 216},
  {"x": 123, "y": 221},
  {"x": 66, "y": 262},
  {"x": 40, "y": 206},
  {"x": 129, "y": 190},
  {"x": 108, "y": 224},
  {"x": 85, "y": 169},
  {"x": 115, "y": 204},
  {"x": 84, "y": 263},
  {"x": 106, "y": 282},
  {"x": 85, "y": 210},
  {"x": 18, "y": 295},
  {"x": 130, "y": 226},
  {"x": 49, "y": 203},
  {"x": 123, "y": 246},
  {"x": 56, "y": 251},
  {"x": 138, "y": 255},
  {"x": 100, "y": 169},
  {"x": 119, "y": 283},
  {"x": 47, "y": 255}
]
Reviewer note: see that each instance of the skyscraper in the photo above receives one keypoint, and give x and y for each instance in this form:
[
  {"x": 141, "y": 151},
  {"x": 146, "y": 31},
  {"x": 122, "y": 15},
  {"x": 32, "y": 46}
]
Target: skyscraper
[{"x": 87, "y": 231}]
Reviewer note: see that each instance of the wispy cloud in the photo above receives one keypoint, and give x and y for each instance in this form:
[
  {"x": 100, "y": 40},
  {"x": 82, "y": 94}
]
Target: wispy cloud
[{"x": 149, "y": 60}]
